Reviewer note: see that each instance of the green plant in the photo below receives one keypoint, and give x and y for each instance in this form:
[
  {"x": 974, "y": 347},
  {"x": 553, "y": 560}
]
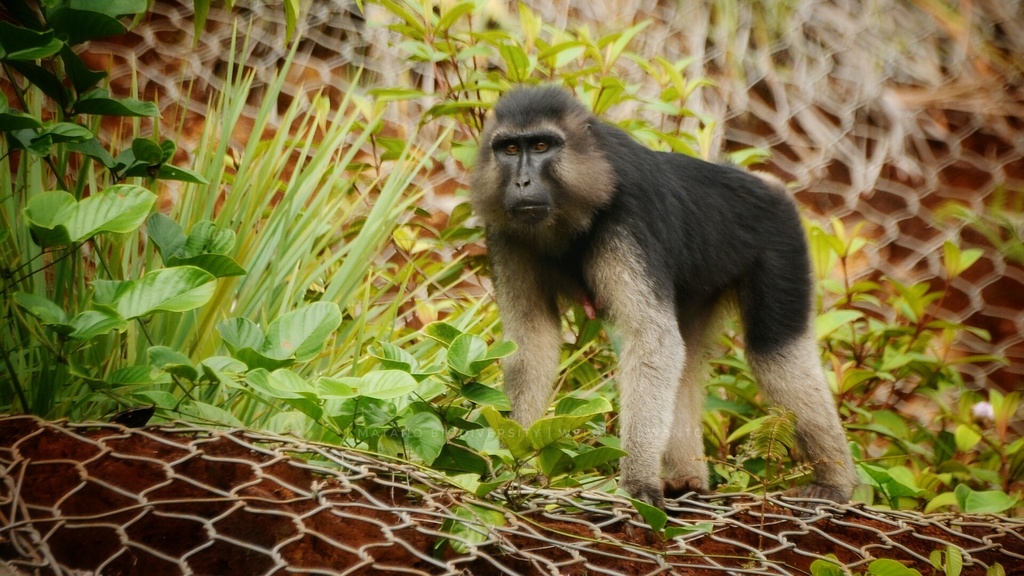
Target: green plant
[{"x": 72, "y": 282}]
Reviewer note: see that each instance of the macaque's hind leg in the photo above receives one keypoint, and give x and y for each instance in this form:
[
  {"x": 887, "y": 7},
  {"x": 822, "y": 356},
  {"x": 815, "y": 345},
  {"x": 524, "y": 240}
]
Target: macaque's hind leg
[{"x": 792, "y": 376}]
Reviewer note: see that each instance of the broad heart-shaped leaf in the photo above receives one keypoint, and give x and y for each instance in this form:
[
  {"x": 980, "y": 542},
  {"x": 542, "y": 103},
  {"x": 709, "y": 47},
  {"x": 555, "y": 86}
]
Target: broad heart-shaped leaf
[
  {"x": 239, "y": 333},
  {"x": 485, "y": 395},
  {"x": 46, "y": 214},
  {"x": 463, "y": 352},
  {"x": 204, "y": 247},
  {"x": 172, "y": 361},
  {"x": 596, "y": 457},
  {"x": 219, "y": 265},
  {"x": 168, "y": 289},
  {"x": 986, "y": 502},
  {"x": 56, "y": 218},
  {"x": 443, "y": 332},
  {"x": 282, "y": 383},
  {"x": 119, "y": 209},
  {"x": 92, "y": 323},
  {"x": 147, "y": 151},
  {"x": 335, "y": 388},
  {"x": 166, "y": 234},
  {"x": 302, "y": 333},
  {"x": 99, "y": 102},
  {"x": 42, "y": 308},
  {"x": 384, "y": 384},
  {"x": 509, "y": 432},
  {"x": 394, "y": 358},
  {"x": 425, "y": 435},
  {"x": 206, "y": 238},
  {"x": 548, "y": 430}
]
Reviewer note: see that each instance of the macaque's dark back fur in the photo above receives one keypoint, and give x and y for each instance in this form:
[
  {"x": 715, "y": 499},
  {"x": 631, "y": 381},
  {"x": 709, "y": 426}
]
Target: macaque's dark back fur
[{"x": 674, "y": 204}]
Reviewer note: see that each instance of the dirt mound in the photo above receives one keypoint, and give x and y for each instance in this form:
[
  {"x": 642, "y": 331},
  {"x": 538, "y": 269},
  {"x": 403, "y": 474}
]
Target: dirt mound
[{"x": 105, "y": 499}]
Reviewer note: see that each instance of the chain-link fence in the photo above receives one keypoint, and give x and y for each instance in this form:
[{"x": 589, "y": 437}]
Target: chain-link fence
[
  {"x": 880, "y": 112},
  {"x": 179, "y": 499}
]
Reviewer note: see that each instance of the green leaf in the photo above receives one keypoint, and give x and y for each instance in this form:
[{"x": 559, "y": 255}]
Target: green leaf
[
  {"x": 207, "y": 238},
  {"x": 385, "y": 384},
  {"x": 42, "y": 308},
  {"x": 956, "y": 260},
  {"x": 473, "y": 527},
  {"x": 219, "y": 265},
  {"x": 169, "y": 172},
  {"x": 46, "y": 213},
  {"x": 169, "y": 289},
  {"x": 17, "y": 43},
  {"x": 442, "y": 332},
  {"x": 239, "y": 333},
  {"x": 425, "y": 435},
  {"x": 119, "y": 209},
  {"x": 99, "y": 102},
  {"x": 597, "y": 457},
  {"x": 551, "y": 429},
  {"x": 987, "y": 502},
  {"x": 82, "y": 77},
  {"x": 829, "y": 567},
  {"x": 655, "y": 517},
  {"x": 172, "y": 361},
  {"x": 78, "y": 26},
  {"x": 335, "y": 388},
  {"x": 967, "y": 437},
  {"x": 485, "y": 395},
  {"x": 147, "y": 151},
  {"x": 166, "y": 234},
  {"x": 828, "y": 322},
  {"x": 282, "y": 383},
  {"x": 55, "y": 217},
  {"x": 468, "y": 354},
  {"x": 62, "y": 132},
  {"x": 93, "y": 149},
  {"x": 511, "y": 434},
  {"x": 394, "y": 357},
  {"x": 886, "y": 567},
  {"x": 112, "y": 8},
  {"x": 463, "y": 352},
  {"x": 43, "y": 79},
  {"x": 940, "y": 501},
  {"x": 11, "y": 120},
  {"x": 92, "y": 323},
  {"x": 302, "y": 333},
  {"x": 208, "y": 414}
]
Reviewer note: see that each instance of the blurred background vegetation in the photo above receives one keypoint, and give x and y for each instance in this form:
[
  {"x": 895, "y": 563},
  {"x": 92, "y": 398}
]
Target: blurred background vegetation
[{"x": 255, "y": 215}]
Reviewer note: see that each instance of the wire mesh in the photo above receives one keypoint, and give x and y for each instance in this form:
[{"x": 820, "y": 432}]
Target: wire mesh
[
  {"x": 181, "y": 499},
  {"x": 882, "y": 113}
]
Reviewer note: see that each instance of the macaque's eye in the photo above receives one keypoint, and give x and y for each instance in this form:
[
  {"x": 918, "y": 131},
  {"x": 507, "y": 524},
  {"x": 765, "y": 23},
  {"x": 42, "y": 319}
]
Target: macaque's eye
[
  {"x": 511, "y": 149},
  {"x": 540, "y": 147}
]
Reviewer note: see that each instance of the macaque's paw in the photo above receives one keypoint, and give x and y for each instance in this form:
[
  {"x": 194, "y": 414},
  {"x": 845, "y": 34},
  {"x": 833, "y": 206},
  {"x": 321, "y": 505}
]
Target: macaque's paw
[
  {"x": 676, "y": 487},
  {"x": 819, "y": 492}
]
